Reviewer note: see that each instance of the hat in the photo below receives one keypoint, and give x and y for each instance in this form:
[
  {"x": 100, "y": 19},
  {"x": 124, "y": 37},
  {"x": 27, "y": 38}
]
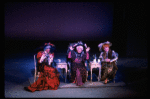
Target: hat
[
  {"x": 80, "y": 43},
  {"x": 101, "y": 44},
  {"x": 48, "y": 46}
]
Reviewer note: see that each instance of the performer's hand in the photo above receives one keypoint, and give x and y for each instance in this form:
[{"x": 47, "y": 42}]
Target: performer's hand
[
  {"x": 107, "y": 60},
  {"x": 42, "y": 57},
  {"x": 44, "y": 54},
  {"x": 51, "y": 56},
  {"x": 71, "y": 48},
  {"x": 87, "y": 50}
]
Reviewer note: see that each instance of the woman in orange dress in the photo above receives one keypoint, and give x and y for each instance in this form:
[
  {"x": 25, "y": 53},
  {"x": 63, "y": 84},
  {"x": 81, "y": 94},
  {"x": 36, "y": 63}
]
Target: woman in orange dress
[{"x": 49, "y": 76}]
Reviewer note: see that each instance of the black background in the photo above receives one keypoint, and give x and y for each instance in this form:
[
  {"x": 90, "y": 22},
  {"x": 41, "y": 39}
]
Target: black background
[{"x": 128, "y": 35}]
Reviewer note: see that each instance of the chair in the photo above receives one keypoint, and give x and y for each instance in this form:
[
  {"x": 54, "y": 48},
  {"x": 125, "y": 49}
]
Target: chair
[
  {"x": 68, "y": 61},
  {"x": 69, "y": 69},
  {"x": 87, "y": 68},
  {"x": 36, "y": 72},
  {"x": 116, "y": 64}
]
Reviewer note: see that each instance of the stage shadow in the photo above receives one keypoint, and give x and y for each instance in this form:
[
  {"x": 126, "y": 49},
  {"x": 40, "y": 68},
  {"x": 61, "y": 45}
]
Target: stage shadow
[
  {"x": 14, "y": 79},
  {"x": 132, "y": 74}
]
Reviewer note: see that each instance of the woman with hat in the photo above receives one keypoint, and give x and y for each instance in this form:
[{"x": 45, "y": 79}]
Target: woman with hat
[
  {"x": 49, "y": 76},
  {"x": 78, "y": 54},
  {"x": 108, "y": 59}
]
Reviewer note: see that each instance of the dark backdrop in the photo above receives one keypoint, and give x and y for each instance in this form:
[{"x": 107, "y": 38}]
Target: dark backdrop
[
  {"x": 65, "y": 21},
  {"x": 129, "y": 35},
  {"x": 29, "y": 25}
]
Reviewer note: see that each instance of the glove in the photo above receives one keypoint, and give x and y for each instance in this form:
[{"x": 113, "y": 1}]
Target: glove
[
  {"x": 88, "y": 48},
  {"x": 71, "y": 48},
  {"x": 50, "y": 60}
]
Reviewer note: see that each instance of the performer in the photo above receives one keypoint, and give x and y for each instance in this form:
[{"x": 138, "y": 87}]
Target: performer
[
  {"x": 49, "y": 76},
  {"x": 108, "y": 59},
  {"x": 78, "y": 54}
]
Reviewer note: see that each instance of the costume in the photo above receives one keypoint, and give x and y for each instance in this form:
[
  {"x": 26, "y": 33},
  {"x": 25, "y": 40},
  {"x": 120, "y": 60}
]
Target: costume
[
  {"x": 110, "y": 68},
  {"x": 78, "y": 69},
  {"x": 49, "y": 76}
]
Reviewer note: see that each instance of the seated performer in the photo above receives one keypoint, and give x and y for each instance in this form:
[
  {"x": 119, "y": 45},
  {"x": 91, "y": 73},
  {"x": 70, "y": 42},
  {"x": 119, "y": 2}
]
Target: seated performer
[
  {"x": 49, "y": 76},
  {"x": 78, "y": 54},
  {"x": 108, "y": 59}
]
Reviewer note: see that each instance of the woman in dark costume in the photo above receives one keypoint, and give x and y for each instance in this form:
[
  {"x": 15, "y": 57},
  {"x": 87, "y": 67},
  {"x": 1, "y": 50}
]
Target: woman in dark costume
[
  {"x": 78, "y": 54},
  {"x": 108, "y": 59},
  {"x": 49, "y": 76}
]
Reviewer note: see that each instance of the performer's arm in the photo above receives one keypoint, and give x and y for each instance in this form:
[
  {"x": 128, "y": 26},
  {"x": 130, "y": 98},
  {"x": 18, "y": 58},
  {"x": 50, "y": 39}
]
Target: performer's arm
[
  {"x": 50, "y": 59},
  {"x": 41, "y": 56},
  {"x": 101, "y": 57},
  {"x": 115, "y": 56},
  {"x": 69, "y": 54},
  {"x": 87, "y": 53},
  {"x": 70, "y": 51}
]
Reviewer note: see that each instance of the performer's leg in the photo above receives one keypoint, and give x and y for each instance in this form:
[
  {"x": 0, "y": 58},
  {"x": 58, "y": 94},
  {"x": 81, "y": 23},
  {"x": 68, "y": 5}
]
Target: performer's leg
[
  {"x": 73, "y": 75},
  {"x": 105, "y": 74},
  {"x": 112, "y": 74},
  {"x": 79, "y": 78},
  {"x": 84, "y": 75}
]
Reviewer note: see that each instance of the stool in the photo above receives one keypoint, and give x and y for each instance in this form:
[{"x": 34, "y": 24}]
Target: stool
[{"x": 95, "y": 65}]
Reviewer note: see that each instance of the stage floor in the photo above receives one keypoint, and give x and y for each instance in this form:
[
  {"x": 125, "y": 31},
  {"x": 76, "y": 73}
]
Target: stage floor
[
  {"x": 131, "y": 80},
  {"x": 88, "y": 84}
]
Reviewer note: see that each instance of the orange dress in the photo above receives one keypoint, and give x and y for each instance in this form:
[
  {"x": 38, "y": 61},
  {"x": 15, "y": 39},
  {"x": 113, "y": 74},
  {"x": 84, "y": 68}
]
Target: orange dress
[{"x": 48, "y": 78}]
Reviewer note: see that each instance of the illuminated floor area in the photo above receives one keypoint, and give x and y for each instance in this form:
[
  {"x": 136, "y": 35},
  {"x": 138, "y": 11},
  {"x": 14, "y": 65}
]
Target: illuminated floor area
[
  {"x": 87, "y": 84},
  {"x": 16, "y": 91},
  {"x": 131, "y": 80}
]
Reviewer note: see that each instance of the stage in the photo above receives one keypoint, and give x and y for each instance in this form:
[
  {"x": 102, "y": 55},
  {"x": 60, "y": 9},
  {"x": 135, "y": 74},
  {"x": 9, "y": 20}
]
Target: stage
[
  {"x": 131, "y": 80},
  {"x": 29, "y": 25}
]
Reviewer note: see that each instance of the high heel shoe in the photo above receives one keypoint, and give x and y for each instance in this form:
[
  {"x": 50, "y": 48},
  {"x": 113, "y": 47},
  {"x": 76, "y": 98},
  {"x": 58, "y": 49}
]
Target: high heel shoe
[
  {"x": 105, "y": 82},
  {"x": 74, "y": 81}
]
